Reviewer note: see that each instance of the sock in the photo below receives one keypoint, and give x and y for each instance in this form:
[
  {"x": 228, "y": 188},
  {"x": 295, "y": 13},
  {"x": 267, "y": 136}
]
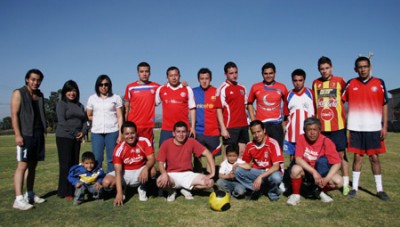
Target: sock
[
  {"x": 30, "y": 194},
  {"x": 378, "y": 182},
  {"x": 356, "y": 178},
  {"x": 296, "y": 185},
  {"x": 346, "y": 181},
  {"x": 19, "y": 197}
]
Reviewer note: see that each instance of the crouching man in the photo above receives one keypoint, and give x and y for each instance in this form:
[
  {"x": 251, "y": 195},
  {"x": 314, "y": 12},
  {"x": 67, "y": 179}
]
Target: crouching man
[
  {"x": 316, "y": 159},
  {"x": 263, "y": 157},
  {"x": 175, "y": 164}
]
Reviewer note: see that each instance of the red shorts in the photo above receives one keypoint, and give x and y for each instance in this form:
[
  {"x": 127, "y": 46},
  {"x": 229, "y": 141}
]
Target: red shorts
[
  {"x": 147, "y": 133},
  {"x": 368, "y": 143}
]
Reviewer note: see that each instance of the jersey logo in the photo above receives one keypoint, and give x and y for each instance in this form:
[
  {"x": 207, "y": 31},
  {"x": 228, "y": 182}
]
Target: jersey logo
[
  {"x": 374, "y": 89},
  {"x": 152, "y": 91},
  {"x": 242, "y": 92},
  {"x": 266, "y": 102},
  {"x": 183, "y": 94}
]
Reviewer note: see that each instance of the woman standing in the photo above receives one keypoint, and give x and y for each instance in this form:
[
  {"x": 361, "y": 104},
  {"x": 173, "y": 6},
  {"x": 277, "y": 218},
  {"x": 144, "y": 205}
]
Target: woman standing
[
  {"x": 104, "y": 109},
  {"x": 71, "y": 127}
]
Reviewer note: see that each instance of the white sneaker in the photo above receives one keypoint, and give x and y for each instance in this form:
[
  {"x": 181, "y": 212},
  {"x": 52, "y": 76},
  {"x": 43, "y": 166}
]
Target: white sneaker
[
  {"x": 186, "y": 193},
  {"x": 171, "y": 195},
  {"x": 22, "y": 204},
  {"x": 325, "y": 197},
  {"x": 142, "y": 194},
  {"x": 33, "y": 199},
  {"x": 293, "y": 200},
  {"x": 282, "y": 187}
]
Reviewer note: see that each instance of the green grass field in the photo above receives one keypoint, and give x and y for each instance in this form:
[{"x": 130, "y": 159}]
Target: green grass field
[{"x": 365, "y": 210}]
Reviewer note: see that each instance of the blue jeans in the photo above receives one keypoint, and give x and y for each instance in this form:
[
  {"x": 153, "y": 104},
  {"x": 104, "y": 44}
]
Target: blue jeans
[
  {"x": 247, "y": 177},
  {"x": 231, "y": 186},
  {"x": 107, "y": 140}
]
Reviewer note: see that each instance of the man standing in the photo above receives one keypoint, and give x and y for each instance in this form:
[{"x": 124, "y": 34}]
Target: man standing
[
  {"x": 367, "y": 112},
  {"x": 29, "y": 124},
  {"x": 300, "y": 106},
  {"x": 207, "y": 130},
  {"x": 263, "y": 158},
  {"x": 177, "y": 101},
  {"x": 317, "y": 161},
  {"x": 231, "y": 109},
  {"x": 270, "y": 96},
  {"x": 175, "y": 164},
  {"x": 330, "y": 111},
  {"x": 140, "y": 102}
]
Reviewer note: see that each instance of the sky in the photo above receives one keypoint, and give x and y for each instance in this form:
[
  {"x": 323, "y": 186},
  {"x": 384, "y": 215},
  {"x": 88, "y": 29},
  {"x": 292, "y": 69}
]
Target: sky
[{"x": 81, "y": 40}]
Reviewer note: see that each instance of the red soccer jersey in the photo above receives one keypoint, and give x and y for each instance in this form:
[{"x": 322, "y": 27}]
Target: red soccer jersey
[
  {"x": 328, "y": 102},
  {"x": 132, "y": 157},
  {"x": 178, "y": 158},
  {"x": 366, "y": 100},
  {"x": 269, "y": 101},
  {"x": 311, "y": 152},
  {"x": 231, "y": 98},
  {"x": 176, "y": 102},
  {"x": 300, "y": 107},
  {"x": 263, "y": 156},
  {"x": 141, "y": 98},
  {"x": 206, "y": 111}
]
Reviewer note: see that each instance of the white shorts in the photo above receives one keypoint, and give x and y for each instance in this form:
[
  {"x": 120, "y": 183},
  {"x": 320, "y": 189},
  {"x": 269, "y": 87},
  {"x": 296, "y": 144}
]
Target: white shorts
[
  {"x": 183, "y": 179},
  {"x": 130, "y": 177}
]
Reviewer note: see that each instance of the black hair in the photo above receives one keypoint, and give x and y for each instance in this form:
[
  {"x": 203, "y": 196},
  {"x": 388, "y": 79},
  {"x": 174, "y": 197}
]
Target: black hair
[
  {"x": 143, "y": 64},
  {"x": 268, "y": 65},
  {"x": 233, "y": 147},
  {"x": 324, "y": 60},
  {"x": 69, "y": 86},
  {"x": 204, "y": 71},
  {"x": 229, "y": 65},
  {"x": 257, "y": 122},
  {"x": 180, "y": 124},
  {"x": 362, "y": 58},
  {"x": 173, "y": 68},
  {"x": 35, "y": 71},
  {"x": 299, "y": 72},
  {"x": 128, "y": 124},
  {"x": 98, "y": 83},
  {"x": 88, "y": 156}
]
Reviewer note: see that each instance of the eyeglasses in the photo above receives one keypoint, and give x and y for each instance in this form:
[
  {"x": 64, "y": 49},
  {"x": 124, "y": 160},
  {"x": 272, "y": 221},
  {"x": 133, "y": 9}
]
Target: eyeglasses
[{"x": 104, "y": 84}]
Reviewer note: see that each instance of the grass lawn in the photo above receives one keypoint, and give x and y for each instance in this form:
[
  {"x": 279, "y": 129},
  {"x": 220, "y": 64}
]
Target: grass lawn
[{"x": 365, "y": 210}]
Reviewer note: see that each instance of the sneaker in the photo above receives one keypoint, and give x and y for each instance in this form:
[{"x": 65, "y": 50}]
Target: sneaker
[
  {"x": 22, "y": 204},
  {"x": 383, "y": 196},
  {"x": 346, "y": 190},
  {"x": 34, "y": 198},
  {"x": 325, "y": 198},
  {"x": 293, "y": 200},
  {"x": 186, "y": 193},
  {"x": 352, "y": 194},
  {"x": 171, "y": 195},
  {"x": 282, "y": 187},
  {"x": 142, "y": 194}
]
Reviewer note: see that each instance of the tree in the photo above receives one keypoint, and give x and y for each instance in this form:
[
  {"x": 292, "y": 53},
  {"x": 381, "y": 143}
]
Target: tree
[
  {"x": 6, "y": 123},
  {"x": 50, "y": 108}
]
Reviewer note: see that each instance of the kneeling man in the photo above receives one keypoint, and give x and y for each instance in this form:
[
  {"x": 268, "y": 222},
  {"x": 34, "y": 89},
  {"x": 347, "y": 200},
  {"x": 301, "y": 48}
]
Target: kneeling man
[
  {"x": 316, "y": 158},
  {"x": 175, "y": 164},
  {"x": 263, "y": 157},
  {"x": 133, "y": 160}
]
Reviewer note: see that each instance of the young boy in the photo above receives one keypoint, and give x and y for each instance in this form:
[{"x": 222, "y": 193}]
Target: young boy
[
  {"x": 227, "y": 181},
  {"x": 86, "y": 177}
]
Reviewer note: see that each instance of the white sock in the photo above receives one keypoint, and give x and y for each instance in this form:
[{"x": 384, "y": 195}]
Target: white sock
[
  {"x": 346, "y": 181},
  {"x": 19, "y": 197},
  {"x": 378, "y": 182},
  {"x": 356, "y": 178}
]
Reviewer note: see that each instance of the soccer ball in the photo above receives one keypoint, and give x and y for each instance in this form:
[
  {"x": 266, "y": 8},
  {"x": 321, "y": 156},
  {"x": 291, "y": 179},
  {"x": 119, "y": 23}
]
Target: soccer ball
[{"x": 220, "y": 201}]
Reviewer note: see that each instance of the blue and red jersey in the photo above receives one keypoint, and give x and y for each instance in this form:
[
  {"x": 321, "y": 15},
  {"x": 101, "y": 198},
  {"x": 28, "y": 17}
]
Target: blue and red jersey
[{"x": 206, "y": 111}]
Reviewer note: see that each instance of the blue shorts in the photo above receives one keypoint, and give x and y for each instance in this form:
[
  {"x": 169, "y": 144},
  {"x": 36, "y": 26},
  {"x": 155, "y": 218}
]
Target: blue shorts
[
  {"x": 289, "y": 148},
  {"x": 238, "y": 135},
  {"x": 212, "y": 143},
  {"x": 369, "y": 143},
  {"x": 339, "y": 138},
  {"x": 33, "y": 149}
]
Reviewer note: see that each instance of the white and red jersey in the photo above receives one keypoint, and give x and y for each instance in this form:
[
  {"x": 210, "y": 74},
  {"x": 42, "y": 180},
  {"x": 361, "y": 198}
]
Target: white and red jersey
[
  {"x": 263, "y": 156},
  {"x": 300, "y": 106},
  {"x": 176, "y": 102},
  {"x": 133, "y": 157},
  {"x": 141, "y": 98},
  {"x": 232, "y": 99},
  {"x": 311, "y": 152},
  {"x": 269, "y": 101},
  {"x": 365, "y": 104}
]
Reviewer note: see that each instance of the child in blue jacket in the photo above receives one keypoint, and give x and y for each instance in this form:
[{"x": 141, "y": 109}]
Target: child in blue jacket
[{"x": 86, "y": 177}]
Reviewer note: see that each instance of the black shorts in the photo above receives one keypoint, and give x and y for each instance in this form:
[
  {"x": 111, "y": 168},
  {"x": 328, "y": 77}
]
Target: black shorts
[
  {"x": 212, "y": 143},
  {"x": 33, "y": 149},
  {"x": 275, "y": 131},
  {"x": 237, "y": 135},
  {"x": 339, "y": 138}
]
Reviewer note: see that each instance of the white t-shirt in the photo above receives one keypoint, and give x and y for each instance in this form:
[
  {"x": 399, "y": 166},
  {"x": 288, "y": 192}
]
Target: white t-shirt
[
  {"x": 104, "y": 113},
  {"x": 226, "y": 167}
]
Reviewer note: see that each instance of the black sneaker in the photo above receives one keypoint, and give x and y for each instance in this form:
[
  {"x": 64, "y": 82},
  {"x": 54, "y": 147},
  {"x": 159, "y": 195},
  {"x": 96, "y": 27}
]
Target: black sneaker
[
  {"x": 383, "y": 196},
  {"x": 352, "y": 194}
]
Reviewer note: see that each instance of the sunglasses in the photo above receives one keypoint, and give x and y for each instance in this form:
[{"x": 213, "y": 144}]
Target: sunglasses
[{"x": 104, "y": 84}]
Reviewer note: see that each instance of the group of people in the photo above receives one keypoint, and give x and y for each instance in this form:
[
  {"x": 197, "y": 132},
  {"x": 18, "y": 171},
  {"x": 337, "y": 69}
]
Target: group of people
[{"x": 308, "y": 124}]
